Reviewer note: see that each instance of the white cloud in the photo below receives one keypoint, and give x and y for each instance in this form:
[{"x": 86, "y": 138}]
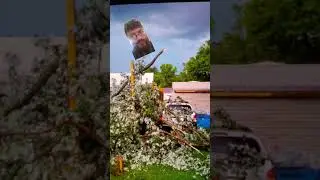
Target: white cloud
[
  {"x": 191, "y": 44},
  {"x": 187, "y": 46},
  {"x": 166, "y": 30},
  {"x": 156, "y": 25},
  {"x": 159, "y": 30}
]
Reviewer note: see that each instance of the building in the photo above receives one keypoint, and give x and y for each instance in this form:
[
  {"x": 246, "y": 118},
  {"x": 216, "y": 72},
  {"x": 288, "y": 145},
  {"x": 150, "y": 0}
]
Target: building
[
  {"x": 196, "y": 93},
  {"x": 279, "y": 102},
  {"x": 117, "y": 78},
  {"x": 167, "y": 93}
]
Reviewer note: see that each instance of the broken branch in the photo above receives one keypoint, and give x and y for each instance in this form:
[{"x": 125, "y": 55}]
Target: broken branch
[
  {"x": 44, "y": 77},
  {"x": 140, "y": 72}
]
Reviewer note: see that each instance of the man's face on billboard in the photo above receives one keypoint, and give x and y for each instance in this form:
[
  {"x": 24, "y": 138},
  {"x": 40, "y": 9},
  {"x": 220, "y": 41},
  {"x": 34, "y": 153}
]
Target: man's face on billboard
[{"x": 138, "y": 37}]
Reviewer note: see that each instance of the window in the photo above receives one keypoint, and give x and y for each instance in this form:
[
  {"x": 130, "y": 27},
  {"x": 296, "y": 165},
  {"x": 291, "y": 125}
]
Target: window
[
  {"x": 182, "y": 108},
  {"x": 221, "y": 144}
]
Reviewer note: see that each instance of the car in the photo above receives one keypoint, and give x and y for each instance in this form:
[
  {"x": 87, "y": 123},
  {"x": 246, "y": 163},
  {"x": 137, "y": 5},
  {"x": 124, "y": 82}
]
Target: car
[
  {"x": 222, "y": 157},
  {"x": 201, "y": 120},
  {"x": 183, "y": 112},
  {"x": 177, "y": 113}
]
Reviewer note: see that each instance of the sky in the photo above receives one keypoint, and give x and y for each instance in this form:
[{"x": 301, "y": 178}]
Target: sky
[
  {"x": 48, "y": 17},
  {"x": 170, "y": 26},
  {"x": 224, "y": 17},
  {"x": 26, "y": 18}
]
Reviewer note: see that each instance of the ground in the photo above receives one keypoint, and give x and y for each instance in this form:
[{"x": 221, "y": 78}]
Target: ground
[
  {"x": 161, "y": 172},
  {"x": 158, "y": 172}
]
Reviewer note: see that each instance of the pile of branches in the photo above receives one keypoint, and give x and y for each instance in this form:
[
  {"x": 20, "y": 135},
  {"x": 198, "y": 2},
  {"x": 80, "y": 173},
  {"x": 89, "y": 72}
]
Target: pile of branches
[{"x": 142, "y": 137}]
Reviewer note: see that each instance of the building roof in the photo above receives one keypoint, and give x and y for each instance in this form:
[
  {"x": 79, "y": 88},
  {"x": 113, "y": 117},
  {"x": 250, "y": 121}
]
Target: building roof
[
  {"x": 266, "y": 77},
  {"x": 167, "y": 90},
  {"x": 191, "y": 86}
]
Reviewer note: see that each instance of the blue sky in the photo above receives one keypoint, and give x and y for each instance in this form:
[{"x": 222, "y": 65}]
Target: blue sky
[{"x": 180, "y": 28}]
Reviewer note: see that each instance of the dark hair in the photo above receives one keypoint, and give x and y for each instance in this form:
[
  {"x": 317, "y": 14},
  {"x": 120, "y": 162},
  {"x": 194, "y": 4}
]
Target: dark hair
[{"x": 132, "y": 24}]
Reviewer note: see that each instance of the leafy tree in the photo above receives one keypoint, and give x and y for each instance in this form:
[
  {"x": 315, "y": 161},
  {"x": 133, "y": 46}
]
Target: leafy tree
[
  {"x": 198, "y": 67},
  {"x": 283, "y": 31},
  {"x": 212, "y": 24},
  {"x": 243, "y": 51},
  {"x": 166, "y": 75},
  {"x": 152, "y": 70},
  {"x": 288, "y": 28}
]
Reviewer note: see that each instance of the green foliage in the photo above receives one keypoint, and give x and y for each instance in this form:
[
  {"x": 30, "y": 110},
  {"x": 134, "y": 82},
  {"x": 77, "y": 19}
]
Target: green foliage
[
  {"x": 212, "y": 24},
  {"x": 152, "y": 70},
  {"x": 198, "y": 67},
  {"x": 166, "y": 75},
  {"x": 274, "y": 30},
  {"x": 288, "y": 28}
]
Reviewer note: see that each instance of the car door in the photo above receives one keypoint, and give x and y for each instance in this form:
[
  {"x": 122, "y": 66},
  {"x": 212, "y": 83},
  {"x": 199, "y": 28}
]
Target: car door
[{"x": 239, "y": 166}]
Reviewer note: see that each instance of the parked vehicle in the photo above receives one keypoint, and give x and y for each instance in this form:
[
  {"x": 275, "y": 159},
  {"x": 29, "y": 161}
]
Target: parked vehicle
[
  {"x": 179, "y": 114},
  {"x": 255, "y": 166},
  {"x": 296, "y": 173},
  {"x": 201, "y": 120}
]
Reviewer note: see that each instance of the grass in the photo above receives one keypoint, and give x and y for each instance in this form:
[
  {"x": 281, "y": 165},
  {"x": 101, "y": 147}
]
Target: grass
[
  {"x": 161, "y": 172},
  {"x": 158, "y": 172}
]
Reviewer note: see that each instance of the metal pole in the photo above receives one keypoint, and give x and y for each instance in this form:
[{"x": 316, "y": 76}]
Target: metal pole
[
  {"x": 71, "y": 51},
  {"x": 132, "y": 78}
]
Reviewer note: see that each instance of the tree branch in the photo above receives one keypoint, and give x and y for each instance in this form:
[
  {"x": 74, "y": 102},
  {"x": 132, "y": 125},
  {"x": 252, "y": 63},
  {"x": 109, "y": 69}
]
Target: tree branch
[
  {"x": 31, "y": 133},
  {"x": 81, "y": 128},
  {"x": 19, "y": 163},
  {"x": 182, "y": 141},
  {"x": 44, "y": 77},
  {"x": 137, "y": 73}
]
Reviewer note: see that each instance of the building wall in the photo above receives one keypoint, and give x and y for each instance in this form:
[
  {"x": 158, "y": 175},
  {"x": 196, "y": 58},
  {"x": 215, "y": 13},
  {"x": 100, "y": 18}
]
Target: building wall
[
  {"x": 196, "y": 93},
  {"x": 266, "y": 77},
  {"x": 199, "y": 101},
  {"x": 117, "y": 78},
  {"x": 290, "y": 123}
]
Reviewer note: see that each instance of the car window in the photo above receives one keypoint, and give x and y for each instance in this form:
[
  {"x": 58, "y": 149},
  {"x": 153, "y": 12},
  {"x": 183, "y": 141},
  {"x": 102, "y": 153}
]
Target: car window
[
  {"x": 221, "y": 143},
  {"x": 181, "y": 108}
]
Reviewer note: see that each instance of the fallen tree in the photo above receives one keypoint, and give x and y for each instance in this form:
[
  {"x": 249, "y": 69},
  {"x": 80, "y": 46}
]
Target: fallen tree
[
  {"x": 137, "y": 135},
  {"x": 40, "y": 137}
]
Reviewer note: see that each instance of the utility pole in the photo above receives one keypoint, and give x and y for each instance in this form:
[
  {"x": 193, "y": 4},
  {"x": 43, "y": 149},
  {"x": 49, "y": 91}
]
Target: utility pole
[
  {"x": 132, "y": 78},
  {"x": 71, "y": 52}
]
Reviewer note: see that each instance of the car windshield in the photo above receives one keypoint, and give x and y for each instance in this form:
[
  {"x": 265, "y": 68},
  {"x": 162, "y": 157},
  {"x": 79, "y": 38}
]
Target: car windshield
[
  {"x": 222, "y": 144},
  {"x": 185, "y": 109}
]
